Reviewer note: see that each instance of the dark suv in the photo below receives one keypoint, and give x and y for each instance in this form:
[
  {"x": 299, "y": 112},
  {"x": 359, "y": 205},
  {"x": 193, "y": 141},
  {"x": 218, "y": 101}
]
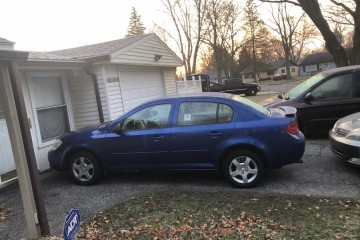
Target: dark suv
[
  {"x": 323, "y": 99},
  {"x": 236, "y": 86}
]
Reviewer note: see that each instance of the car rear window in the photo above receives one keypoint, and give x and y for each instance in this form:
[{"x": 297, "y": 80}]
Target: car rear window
[{"x": 250, "y": 104}]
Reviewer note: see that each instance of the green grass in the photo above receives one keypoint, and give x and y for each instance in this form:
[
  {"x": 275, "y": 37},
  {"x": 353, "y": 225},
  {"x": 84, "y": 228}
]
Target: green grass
[{"x": 226, "y": 215}]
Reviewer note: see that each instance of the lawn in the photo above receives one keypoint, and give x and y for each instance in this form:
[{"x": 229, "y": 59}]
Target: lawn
[{"x": 238, "y": 214}]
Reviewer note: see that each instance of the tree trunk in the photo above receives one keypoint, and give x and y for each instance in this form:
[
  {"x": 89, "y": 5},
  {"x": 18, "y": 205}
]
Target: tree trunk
[
  {"x": 355, "y": 57},
  {"x": 312, "y": 9}
]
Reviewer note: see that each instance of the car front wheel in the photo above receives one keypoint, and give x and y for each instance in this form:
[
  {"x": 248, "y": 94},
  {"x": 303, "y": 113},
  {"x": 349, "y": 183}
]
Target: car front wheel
[
  {"x": 85, "y": 169},
  {"x": 243, "y": 169}
]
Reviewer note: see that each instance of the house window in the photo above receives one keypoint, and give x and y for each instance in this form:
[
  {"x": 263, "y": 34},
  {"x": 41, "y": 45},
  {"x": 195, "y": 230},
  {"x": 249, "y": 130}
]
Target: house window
[
  {"x": 310, "y": 68},
  {"x": 293, "y": 69},
  {"x": 270, "y": 72},
  {"x": 282, "y": 70},
  {"x": 50, "y": 106}
]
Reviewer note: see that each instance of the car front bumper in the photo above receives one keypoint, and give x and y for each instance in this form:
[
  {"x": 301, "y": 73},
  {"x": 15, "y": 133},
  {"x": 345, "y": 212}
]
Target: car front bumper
[{"x": 344, "y": 149}]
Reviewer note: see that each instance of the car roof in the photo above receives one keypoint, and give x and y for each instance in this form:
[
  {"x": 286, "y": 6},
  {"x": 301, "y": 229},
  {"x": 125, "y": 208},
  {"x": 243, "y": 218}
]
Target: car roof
[
  {"x": 199, "y": 95},
  {"x": 341, "y": 69}
]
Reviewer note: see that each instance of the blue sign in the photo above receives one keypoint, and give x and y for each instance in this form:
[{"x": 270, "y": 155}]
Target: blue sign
[{"x": 72, "y": 224}]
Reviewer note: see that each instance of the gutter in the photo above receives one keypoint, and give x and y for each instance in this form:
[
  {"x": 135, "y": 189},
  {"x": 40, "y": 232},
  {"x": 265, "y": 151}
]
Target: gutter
[{"x": 97, "y": 93}]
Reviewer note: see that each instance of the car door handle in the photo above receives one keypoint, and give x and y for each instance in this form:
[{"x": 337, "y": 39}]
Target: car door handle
[
  {"x": 158, "y": 137},
  {"x": 215, "y": 134}
]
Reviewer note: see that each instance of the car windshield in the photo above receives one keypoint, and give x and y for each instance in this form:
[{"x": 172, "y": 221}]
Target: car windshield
[
  {"x": 250, "y": 104},
  {"x": 302, "y": 87}
]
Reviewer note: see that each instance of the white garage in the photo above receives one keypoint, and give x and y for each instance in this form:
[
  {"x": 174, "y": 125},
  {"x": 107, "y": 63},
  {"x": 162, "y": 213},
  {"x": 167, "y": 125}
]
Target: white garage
[{"x": 141, "y": 85}]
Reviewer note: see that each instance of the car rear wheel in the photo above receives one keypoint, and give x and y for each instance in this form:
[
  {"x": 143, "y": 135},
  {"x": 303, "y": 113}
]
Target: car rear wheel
[
  {"x": 85, "y": 169},
  {"x": 243, "y": 169},
  {"x": 251, "y": 92}
]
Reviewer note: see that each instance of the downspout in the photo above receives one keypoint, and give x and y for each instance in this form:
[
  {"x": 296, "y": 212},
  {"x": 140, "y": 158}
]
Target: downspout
[{"x": 97, "y": 93}]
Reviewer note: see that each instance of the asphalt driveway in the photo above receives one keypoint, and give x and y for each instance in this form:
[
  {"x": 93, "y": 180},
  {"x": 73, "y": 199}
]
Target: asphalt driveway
[{"x": 321, "y": 174}]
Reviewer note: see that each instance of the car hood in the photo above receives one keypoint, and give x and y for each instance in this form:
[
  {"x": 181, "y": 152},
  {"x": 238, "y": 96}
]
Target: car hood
[
  {"x": 86, "y": 129},
  {"x": 349, "y": 123},
  {"x": 271, "y": 101}
]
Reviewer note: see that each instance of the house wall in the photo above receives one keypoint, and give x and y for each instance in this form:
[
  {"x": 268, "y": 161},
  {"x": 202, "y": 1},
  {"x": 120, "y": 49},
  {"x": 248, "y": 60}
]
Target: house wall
[
  {"x": 99, "y": 71},
  {"x": 144, "y": 53},
  {"x": 312, "y": 69},
  {"x": 82, "y": 104},
  {"x": 294, "y": 73},
  {"x": 116, "y": 104},
  {"x": 170, "y": 81},
  {"x": 83, "y": 98}
]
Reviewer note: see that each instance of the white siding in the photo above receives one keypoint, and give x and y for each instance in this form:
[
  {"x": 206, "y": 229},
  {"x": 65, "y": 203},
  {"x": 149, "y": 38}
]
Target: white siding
[
  {"x": 144, "y": 53},
  {"x": 170, "y": 81},
  {"x": 113, "y": 90},
  {"x": 83, "y": 100},
  {"x": 99, "y": 71}
]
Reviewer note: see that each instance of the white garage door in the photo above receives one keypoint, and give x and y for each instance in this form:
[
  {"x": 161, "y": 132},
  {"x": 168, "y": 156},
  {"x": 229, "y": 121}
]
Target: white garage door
[{"x": 139, "y": 86}]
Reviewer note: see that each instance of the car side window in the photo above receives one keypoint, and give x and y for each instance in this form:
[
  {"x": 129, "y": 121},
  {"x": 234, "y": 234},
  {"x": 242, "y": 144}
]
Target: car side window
[
  {"x": 337, "y": 87},
  {"x": 203, "y": 113},
  {"x": 148, "y": 118}
]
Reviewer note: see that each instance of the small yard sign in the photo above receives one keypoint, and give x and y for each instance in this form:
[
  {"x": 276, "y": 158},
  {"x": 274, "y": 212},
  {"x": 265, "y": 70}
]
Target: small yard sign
[{"x": 72, "y": 224}]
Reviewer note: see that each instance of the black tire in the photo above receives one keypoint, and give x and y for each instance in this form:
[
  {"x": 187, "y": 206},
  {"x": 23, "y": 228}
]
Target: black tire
[
  {"x": 243, "y": 168},
  {"x": 251, "y": 92},
  {"x": 85, "y": 169}
]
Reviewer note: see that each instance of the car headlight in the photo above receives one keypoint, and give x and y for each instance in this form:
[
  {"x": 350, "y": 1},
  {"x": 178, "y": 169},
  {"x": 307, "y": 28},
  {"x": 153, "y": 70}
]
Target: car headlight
[
  {"x": 354, "y": 135},
  {"x": 56, "y": 144}
]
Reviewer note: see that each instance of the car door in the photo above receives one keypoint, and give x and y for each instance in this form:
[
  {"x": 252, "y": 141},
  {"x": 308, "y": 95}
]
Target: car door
[
  {"x": 200, "y": 128},
  {"x": 334, "y": 98},
  {"x": 143, "y": 139}
]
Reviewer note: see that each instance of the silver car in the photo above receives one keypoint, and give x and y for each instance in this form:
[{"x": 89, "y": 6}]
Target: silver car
[{"x": 345, "y": 138}]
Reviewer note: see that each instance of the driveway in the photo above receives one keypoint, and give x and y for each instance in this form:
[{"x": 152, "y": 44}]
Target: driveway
[{"x": 321, "y": 174}]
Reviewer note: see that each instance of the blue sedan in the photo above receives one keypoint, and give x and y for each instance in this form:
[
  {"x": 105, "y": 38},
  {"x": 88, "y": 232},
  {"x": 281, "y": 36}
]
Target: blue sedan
[{"x": 207, "y": 131}]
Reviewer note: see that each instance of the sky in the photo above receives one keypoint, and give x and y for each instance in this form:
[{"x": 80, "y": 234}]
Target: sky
[{"x": 47, "y": 25}]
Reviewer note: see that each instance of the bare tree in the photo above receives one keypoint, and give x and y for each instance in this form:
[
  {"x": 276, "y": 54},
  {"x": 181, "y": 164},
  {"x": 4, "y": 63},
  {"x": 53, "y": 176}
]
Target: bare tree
[
  {"x": 222, "y": 34},
  {"x": 188, "y": 18},
  {"x": 259, "y": 37},
  {"x": 313, "y": 10},
  {"x": 293, "y": 35}
]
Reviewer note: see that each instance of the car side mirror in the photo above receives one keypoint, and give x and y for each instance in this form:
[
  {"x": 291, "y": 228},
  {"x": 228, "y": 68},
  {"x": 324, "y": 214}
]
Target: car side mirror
[
  {"x": 118, "y": 129},
  {"x": 308, "y": 97}
]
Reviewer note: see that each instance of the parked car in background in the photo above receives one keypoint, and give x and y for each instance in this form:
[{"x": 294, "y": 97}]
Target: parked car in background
[
  {"x": 322, "y": 99},
  {"x": 207, "y": 131},
  {"x": 236, "y": 86},
  {"x": 280, "y": 76},
  {"x": 345, "y": 139}
]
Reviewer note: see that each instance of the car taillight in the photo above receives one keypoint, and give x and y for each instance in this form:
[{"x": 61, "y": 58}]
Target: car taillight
[{"x": 292, "y": 128}]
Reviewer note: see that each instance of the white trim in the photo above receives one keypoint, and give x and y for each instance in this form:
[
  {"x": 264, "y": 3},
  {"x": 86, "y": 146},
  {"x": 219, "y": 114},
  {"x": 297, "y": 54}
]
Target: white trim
[{"x": 67, "y": 100}]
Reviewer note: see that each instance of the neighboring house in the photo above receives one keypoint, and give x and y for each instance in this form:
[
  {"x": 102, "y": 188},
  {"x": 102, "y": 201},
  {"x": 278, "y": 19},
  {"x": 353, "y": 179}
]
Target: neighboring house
[
  {"x": 268, "y": 70},
  {"x": 68, "y": 89},
  {"x": 6, "y": 44},
  {"x": 317, "y": 62}
]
